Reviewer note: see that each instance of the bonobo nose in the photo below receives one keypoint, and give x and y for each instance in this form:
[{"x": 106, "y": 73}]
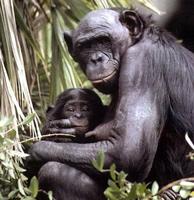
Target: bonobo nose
[
  {"x": 97, "y": 57},
  {"x": 78, "y": 115}
]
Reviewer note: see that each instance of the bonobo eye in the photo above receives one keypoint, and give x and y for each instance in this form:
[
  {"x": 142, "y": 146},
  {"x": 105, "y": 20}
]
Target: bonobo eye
[
  {"x": 70, "y": 109},
  {"x": 78, "y": 45},
  {"x": 103, "y": 39},
  {"x": 83, "y": 45},
  {"x": 85, "y": 108}
]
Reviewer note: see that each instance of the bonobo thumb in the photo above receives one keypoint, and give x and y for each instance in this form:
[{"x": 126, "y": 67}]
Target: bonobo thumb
[{"x": 90, "y": 134}]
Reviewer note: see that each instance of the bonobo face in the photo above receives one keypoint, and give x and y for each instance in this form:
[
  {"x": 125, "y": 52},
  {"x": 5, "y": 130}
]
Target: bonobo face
[
  {"x": 80, "y": 113},
  {"x": 82, "y": 107},
  {"x": 98, "y": 44},
  {"x": 97, "y": 60}
]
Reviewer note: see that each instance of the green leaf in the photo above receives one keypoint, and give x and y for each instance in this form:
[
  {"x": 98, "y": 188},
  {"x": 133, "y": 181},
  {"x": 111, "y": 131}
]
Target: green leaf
[
  {"x": 141, "y": 188},
  {"x": 132, "y": 195},
  {"x": 6, "y": 121},
  {"x": 11, "y": 134},
  {"x": 13, "y": 193},
  {"x": 155, "y": 188},
  {"x": 109, "y": 194},
  {"x": 50, "y": 195},
  {"x": 28, "y": 119},
  {"x": 99, "y": 162},
  {"x": 1, "y": 139},
  {"x": 11, "y": 173},
  {"x": 18, "y": 154},
  {"x": 187, "y": 185},
  {"x": 122, "y": 178},
  {"x": 176, "y": 188},
  {"x": 112, "y": 172},
  {"x": 21, "y": 187},
  {"x": 184, "y": 193},
  {"x": 9, "y": 142},
  {"x": 34, "y": 186},
  {"x": 155, "y": 198},
  {"x": 113, "y": 185},
  {"x": 2, "y": 156}
]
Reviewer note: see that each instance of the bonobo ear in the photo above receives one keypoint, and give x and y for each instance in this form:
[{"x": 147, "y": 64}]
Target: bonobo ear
[
  {"x": 49, "y": 109},
  {"x": 133, "y": 22},
  {"x": 68, "y": 40}
]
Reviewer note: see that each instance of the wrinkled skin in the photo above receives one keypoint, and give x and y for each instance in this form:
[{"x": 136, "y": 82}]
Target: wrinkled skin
[{"x": 151, "y": 79}]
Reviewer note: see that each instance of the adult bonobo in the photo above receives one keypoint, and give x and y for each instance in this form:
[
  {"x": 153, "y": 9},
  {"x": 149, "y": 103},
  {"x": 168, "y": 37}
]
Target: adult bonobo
[{"x": 151, "y": 77}]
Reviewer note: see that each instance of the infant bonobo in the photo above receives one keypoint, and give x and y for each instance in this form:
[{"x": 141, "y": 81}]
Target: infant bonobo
[{"x": 76, "y": 112}]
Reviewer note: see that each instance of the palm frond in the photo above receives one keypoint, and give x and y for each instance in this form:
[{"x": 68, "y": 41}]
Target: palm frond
[{"x": 14, "y": 76}]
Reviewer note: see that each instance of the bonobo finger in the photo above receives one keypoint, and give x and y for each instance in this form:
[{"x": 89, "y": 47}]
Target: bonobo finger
[
  {"x": 62, "y": 130},
  {"x": 63, "y": 123},
  {"x": 90, "y": 133},
  {"x": 169, "y": 195}
]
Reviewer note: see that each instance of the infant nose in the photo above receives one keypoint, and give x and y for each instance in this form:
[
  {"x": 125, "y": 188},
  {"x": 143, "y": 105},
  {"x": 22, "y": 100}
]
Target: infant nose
[{"x": 78, "y": 115}]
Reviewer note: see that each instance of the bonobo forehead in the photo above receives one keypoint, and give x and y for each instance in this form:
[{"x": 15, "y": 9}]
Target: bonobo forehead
[
  {"x": 97, "y": 23},
  {"x": 76, "y": 95}
]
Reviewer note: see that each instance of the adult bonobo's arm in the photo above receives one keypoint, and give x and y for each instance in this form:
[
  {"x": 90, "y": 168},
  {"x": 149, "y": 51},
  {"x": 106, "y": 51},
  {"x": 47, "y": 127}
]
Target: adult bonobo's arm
[
  {"x": 79, "y": 155},
  {"x": 141, "y": 112}
]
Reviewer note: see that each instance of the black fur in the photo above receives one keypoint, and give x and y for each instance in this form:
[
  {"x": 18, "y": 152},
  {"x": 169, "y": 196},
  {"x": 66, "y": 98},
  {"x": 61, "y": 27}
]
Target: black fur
[{"x": 151, "y": 78}]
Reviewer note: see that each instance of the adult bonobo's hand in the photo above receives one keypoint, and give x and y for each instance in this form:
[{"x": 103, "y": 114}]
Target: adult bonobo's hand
[
  {"x": 59, "y": 126},
  {"x": 44, "y": 151},
  {"x": 37, "y": 152},
  {"x": 100, "y": 132}
]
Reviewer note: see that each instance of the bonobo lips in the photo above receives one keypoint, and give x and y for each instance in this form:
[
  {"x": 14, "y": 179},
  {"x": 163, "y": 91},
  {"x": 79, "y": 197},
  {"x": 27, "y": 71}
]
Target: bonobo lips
[
  {"x": 83, "y": 122},
  {"x": 104, "y": 79}
]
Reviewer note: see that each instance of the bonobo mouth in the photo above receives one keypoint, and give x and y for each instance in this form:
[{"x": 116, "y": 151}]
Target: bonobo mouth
[
  {"x": 108, "y": 84},
  {"x": 79, "y": 122},
  {"x": 104, "y": 79}
]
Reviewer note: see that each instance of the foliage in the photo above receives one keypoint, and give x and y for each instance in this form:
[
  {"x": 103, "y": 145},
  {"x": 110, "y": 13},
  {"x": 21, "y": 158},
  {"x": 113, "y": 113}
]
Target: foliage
[
  {"x": 13, "y": 183},
  {"x": 13, "y": 86},
  {"x": 119, "y": 188}
]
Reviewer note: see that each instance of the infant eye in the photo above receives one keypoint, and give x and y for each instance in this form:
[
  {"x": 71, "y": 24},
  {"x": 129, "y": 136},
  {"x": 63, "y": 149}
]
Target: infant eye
[
  {"x": 78, "y": 45},
  {"x": 70, "y": 109},
  {"x": 85, "y": 108}
]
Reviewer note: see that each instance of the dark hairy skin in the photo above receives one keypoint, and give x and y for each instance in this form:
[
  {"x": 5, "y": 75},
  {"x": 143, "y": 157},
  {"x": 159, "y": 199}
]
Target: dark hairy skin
[
  {"x": 151, "y": 79},
  {"x": 76, "y": 111}
]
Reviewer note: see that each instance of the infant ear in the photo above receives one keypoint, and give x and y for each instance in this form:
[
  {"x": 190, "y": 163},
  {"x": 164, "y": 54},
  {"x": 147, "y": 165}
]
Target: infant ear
[{"x": 49, "y": 109}]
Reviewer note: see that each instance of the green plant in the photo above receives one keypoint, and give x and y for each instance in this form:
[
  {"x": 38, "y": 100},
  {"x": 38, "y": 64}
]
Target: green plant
[
  {"x": 13, "y": 183},
  {"x": 119, "y": 188}
]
